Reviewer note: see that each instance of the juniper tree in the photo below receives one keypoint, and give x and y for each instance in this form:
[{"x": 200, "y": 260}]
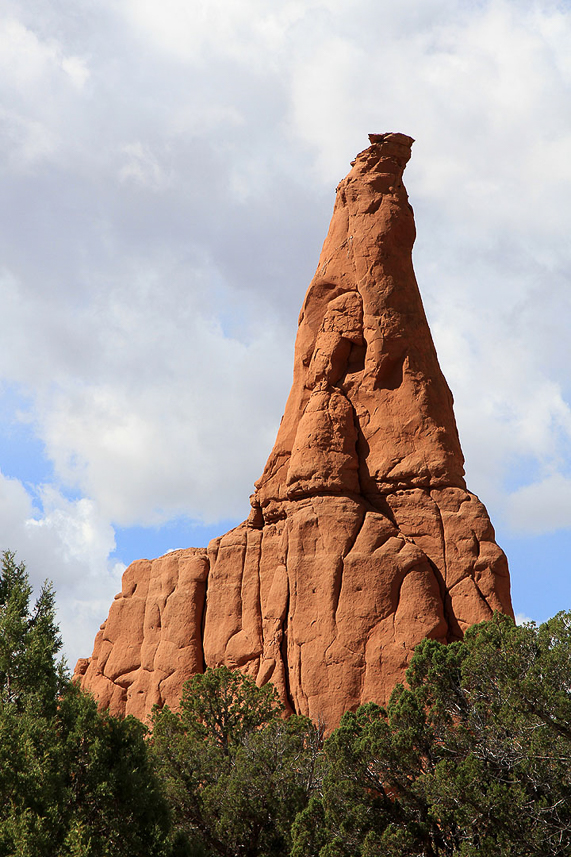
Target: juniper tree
[
  {"x": 473, "y": 757},
  {"x": 236, "y": 773}
]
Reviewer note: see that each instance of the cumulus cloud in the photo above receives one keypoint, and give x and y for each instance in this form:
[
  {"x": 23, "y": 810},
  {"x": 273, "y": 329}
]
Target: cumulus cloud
[
  {"x": 168, "y": 174},
  {"x": 541, "y": 507},
  {"x": 142, "y": 167},
  {"x": 67, "y": 542}
]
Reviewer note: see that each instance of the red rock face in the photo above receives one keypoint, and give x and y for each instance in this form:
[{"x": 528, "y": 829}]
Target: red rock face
[{"x": 362, "y": 538}]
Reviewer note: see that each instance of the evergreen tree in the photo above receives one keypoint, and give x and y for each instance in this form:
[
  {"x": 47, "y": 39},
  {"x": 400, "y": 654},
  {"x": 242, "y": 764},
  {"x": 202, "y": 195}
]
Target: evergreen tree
[
  {"x": 73, "y": 782},
  {"x": 236, "y": 773},
  {"x": 29, "y": 642},
  {"x": 472, "y": 758}
]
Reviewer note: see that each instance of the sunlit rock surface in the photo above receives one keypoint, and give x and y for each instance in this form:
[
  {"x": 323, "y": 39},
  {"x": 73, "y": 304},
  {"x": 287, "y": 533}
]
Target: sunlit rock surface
[{"x": 363, "y": 538}]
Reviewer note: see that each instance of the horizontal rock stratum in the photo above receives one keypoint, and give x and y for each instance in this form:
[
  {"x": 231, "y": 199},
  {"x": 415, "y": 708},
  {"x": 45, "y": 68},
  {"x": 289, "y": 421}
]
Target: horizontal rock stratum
[{"x": 363, "y": 538}]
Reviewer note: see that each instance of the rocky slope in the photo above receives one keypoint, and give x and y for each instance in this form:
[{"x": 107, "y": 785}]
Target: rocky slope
[{"x": 362, "y": 538}]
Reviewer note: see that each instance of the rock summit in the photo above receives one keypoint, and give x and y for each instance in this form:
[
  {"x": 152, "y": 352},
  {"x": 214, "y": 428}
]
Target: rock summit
[{"x": 363, "y": 538}]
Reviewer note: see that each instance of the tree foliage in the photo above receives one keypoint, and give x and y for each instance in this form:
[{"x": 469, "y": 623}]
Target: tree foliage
[
  {"x": 236, "y": 773},
  {"x": 29, "y": 642},
  {"x": 472, "y": 758},
  {"x": 223, "y": 707},
  {"x": 73, "y": 782}
]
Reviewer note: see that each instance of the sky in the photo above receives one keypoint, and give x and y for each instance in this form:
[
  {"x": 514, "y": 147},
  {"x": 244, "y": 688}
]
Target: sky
[{"x": 167, "y": 176}]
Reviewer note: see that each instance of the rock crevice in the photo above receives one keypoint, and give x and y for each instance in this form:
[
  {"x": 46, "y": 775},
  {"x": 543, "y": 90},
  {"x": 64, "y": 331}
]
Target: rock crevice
[{"x": 363, "y": 538}]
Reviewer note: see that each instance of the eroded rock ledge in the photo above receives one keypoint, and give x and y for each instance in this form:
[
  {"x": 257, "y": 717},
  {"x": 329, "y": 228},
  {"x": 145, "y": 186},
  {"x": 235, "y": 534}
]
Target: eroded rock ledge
[{"x": 363, "y": 538}]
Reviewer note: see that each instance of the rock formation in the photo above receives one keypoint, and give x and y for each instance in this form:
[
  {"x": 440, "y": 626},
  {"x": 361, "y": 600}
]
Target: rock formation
[{"x": 362, "y": 539}]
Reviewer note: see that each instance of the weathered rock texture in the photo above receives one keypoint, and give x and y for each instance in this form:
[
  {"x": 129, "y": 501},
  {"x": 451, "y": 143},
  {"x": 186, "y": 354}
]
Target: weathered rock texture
[{"x": 362, "y": 538}]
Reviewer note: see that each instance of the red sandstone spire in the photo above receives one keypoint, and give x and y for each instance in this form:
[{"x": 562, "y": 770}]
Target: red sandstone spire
[
  {"x": 362, "y": 538},
  {"x": 365, "y": 363}
]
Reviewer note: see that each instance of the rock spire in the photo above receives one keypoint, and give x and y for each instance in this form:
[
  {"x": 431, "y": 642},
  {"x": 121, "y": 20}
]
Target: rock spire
[{"x": 363, "y": 538}]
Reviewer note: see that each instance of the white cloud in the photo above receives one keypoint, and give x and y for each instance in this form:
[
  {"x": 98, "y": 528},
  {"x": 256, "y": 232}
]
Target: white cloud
[
  {"x": 136, "y": 408},
  {"x": 24, "y": 58},
  {"x": 77, "y": 69},
  {"x": 248, "y": 31},
  {"x": 67, "y": 542},
  {"x": 512, "y": 415},
  {"x": 39, "y": 84},
  {"x": 23, "y": 141},
  {"x": 143, "y": 168},
  {"x": 168, "y": 174},
  {"x": 541, "y": 507}
]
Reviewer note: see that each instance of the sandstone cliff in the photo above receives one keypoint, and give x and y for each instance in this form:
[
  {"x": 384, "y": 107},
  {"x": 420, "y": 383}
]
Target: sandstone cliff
[{"x": 362, "y": 538}]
